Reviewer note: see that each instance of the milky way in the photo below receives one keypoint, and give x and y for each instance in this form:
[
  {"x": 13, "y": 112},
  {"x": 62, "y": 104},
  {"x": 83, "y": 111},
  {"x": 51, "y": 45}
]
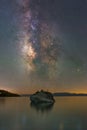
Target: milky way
[
  {"x": 39, "y": 41},
  {"x": 43, "y": 44}
]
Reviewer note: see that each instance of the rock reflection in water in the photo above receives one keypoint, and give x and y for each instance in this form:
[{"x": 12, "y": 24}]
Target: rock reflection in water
[{"x": 42, "y": 106}]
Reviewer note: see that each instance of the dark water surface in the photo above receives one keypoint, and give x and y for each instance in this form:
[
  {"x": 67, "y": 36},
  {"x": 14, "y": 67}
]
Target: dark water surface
[{"x": 68, "y": 113}]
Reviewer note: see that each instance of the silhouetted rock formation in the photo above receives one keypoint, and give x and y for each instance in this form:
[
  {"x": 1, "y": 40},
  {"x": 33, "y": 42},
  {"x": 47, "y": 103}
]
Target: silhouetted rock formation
[
  {"x": 42, "y": 97},
  {"x": 4, "y": 93}
]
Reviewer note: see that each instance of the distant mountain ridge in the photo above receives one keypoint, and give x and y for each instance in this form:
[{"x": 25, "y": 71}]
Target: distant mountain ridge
[
  {"x": 62, "y": 94},
  {"x": 69, "y": 94},
  {"x": 4, "y": 93}
]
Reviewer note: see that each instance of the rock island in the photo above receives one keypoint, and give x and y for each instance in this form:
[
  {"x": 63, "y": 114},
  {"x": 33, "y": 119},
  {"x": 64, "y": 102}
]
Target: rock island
[{"x": 42, "y": 97}]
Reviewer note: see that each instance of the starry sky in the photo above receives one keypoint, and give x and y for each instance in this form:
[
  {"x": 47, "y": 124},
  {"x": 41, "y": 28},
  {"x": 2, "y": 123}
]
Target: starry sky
[{"x": 43, "y": 45}]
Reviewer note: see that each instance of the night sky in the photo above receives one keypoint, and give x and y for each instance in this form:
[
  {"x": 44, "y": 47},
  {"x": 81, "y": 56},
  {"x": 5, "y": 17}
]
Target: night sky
[{"x": 43, "y": 45}]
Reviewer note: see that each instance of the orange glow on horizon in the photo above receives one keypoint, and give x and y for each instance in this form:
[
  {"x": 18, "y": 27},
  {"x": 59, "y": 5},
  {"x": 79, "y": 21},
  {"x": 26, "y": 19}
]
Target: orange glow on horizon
[
  {"x": 28, "y": 90},
  {"x": 53, "y": 90}
]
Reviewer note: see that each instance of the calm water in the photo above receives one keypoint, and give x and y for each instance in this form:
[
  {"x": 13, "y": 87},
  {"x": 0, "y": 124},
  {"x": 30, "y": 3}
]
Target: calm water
[{"x": 68, "y": 113}]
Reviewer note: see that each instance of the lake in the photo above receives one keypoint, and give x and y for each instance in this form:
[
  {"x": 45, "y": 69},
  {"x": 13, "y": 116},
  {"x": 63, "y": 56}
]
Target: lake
[{"x": 67, "y": 113}]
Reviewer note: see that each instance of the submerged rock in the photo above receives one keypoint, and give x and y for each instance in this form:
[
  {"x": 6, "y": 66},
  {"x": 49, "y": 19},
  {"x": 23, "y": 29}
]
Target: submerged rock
[{"x": 42, "y": 97}]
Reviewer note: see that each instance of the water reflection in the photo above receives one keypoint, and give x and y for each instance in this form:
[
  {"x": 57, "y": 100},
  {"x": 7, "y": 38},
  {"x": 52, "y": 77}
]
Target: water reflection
[
  {"x": 67, "y": 113},
  {"x": 2, "y": 100},
  {"x": 43, "y": 107}
]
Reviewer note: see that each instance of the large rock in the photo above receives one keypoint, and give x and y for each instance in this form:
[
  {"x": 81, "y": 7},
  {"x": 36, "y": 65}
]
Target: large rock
[{"x": 42, "y": 97}]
